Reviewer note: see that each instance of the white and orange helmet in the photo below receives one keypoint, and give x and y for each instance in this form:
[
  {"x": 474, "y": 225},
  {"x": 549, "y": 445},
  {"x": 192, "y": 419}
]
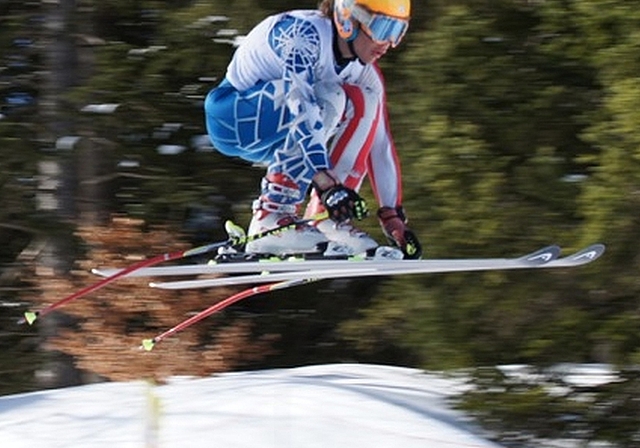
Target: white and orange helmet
[{"x": 382, "y": 20}]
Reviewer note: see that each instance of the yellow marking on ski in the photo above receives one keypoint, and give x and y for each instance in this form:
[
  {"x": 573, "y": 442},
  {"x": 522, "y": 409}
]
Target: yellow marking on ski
[{"x": 270, "y": 260}]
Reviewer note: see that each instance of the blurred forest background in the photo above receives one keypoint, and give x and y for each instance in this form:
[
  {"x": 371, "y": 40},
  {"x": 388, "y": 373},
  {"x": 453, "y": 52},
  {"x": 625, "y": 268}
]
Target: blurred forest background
[{"x": 517, "y": 126}]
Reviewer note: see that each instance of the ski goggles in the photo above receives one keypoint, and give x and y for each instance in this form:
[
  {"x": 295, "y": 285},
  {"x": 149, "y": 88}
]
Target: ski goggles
[{"x": 381, "y": 28}]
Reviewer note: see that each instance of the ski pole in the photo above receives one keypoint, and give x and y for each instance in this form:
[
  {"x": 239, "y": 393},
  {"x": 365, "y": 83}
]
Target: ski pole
[
  {"x": 148, "y": 344},
  {"x": 30, "y": 316},
  {"x": 237, "y": 237}
]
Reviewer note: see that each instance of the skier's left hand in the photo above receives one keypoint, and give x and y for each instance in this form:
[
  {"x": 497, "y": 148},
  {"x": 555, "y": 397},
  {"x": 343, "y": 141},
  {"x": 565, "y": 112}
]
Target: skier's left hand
[
  {"x": 394, "y": 226},
  {"x": 342, "y": 203}
]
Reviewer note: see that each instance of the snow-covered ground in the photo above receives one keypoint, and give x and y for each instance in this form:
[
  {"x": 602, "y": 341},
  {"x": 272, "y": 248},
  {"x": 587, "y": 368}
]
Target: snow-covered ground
[{"x": 337, "y": 405}]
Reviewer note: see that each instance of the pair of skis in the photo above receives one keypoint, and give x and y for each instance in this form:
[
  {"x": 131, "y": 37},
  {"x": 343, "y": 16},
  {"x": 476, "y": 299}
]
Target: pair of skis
[
  {"x": 297, "y": 272},
  {"x": 286, "y": 273},
  {"x": 270, "y": 270}
]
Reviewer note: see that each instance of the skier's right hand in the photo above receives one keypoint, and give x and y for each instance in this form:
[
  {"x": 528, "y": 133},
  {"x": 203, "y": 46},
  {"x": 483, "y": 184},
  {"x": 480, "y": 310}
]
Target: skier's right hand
[{"x": 341, "y": 203}]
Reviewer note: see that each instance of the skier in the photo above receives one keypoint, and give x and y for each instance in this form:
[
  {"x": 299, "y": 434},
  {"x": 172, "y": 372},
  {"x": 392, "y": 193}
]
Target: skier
[{"x": 303, "y": 94}]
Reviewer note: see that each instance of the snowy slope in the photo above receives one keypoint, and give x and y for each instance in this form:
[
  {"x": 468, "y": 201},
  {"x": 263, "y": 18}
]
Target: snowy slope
[{"x": 319, "y": 406}]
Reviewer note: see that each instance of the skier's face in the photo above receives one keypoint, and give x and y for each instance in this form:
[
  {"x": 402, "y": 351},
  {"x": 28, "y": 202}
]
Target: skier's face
[{"x": 367, "y": 49}]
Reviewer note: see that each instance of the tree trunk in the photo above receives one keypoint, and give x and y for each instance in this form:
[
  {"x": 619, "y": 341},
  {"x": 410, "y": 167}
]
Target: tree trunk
[{"x": 67, "y": 64}]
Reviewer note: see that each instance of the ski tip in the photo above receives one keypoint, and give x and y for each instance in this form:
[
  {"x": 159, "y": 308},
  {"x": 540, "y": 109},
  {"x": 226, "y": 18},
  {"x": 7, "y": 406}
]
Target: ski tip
[
  {"x": 542, "y": 256},
  {"x": 29, "y": 317},
  {"x": 588, "y": 254},
  {"x": 147, "y": 344}
]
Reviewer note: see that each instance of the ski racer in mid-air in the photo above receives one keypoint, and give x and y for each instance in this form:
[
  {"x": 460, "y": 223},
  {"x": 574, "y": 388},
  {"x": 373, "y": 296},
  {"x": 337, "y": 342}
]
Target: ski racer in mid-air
[{"x": 304, "y": 95}]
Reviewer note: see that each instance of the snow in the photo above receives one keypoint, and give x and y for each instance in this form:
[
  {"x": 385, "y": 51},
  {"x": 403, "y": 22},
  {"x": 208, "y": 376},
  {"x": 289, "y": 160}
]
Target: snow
[{"x": 354, "y": 405}]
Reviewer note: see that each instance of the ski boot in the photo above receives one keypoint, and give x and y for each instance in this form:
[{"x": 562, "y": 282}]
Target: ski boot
[
  {"x": 276, "y": 209},
  {"x": 356, "y": 241}
]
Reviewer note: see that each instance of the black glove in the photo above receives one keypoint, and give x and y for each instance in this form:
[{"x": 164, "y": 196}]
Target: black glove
[
  {"x": 394, "y": 226},
  {"x": 341, "y": 203}
]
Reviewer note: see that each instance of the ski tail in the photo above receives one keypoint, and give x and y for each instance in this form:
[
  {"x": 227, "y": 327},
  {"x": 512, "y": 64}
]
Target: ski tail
[{"x": 237, "y": 238}]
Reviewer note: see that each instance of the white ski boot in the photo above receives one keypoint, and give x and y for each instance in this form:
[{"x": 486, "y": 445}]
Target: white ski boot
[
  {"x": 277, "y": 208},
  {"x": 356, "y": 241},
  {"x": 294, "y": 238},
  {"x": 346, "y": 234}
]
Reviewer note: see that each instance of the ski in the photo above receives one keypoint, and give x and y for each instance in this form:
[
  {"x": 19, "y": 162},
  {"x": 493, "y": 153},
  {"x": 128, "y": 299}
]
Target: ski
[
  {"x": 544, "y": 255},
  {"x": 544, "y": 258}
]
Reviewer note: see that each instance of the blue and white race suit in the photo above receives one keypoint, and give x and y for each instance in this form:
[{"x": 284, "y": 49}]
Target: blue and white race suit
[{"x": 283, "y": 99}]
